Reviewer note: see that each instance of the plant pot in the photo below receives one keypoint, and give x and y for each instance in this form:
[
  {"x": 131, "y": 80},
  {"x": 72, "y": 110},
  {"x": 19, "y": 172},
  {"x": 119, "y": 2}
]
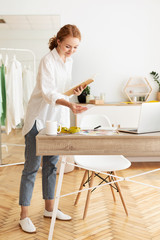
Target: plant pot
[
  {"x": 82, "y": 98},
  {"x": 158, "y": 96}
]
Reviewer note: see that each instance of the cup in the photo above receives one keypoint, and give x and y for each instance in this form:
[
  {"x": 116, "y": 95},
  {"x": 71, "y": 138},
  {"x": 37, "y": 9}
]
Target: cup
[
  {"x": 134, "y": 99},
  {"x": 52, "y": 128},
  {"x": 87, "y": 98}
]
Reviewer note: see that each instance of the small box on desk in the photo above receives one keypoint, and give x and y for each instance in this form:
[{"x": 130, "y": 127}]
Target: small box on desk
[{"x": 96, "y": 101}]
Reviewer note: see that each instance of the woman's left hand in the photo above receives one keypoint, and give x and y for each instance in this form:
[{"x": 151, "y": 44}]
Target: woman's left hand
[
  {"x": 79, "y": 90},
  {"x": 76, "y": 108}
]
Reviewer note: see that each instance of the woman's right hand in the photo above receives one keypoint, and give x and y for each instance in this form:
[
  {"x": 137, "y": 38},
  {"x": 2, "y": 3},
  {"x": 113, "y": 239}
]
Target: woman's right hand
[{"x": 76, "y": 108}]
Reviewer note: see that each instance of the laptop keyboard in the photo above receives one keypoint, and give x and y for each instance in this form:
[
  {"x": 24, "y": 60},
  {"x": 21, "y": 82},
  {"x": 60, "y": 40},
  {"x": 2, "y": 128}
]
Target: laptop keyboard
[{"x": 133, "y": 130}]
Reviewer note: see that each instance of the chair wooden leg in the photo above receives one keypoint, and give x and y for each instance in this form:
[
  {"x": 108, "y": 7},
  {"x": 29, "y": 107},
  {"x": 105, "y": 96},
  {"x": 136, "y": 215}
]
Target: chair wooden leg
[
  {"x": 114, "y": 198},
  {"x": 88, "y": 196},
  {"x": 120, "y": 194},
  {"x": 81, "y": 186}
]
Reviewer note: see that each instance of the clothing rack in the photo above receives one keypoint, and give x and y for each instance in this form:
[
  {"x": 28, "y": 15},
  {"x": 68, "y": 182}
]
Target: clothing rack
[
  {"x": 24, "y": 50},
  {"x": 34, "y": 75}
]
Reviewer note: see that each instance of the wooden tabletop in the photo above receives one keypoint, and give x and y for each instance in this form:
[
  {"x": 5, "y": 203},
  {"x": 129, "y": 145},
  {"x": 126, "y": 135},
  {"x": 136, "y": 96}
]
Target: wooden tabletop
[{"x": 122, "y": 143}]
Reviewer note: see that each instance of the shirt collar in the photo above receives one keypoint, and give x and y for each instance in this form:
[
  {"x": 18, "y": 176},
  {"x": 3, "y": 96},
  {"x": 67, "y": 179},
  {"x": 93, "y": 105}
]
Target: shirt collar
[{"x": 57, "y": 56}]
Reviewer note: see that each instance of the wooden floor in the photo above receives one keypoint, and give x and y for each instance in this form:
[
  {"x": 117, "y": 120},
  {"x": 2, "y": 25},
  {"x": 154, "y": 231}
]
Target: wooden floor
[{"x": 105, "y": 220}]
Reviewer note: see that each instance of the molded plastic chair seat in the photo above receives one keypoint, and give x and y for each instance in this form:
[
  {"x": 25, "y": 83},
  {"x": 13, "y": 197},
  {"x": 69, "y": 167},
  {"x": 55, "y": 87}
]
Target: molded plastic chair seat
[
  {"x": 106, "y": 163},
  {"x": 92, "y": 121},
  {"x": 102, "y": 163}
]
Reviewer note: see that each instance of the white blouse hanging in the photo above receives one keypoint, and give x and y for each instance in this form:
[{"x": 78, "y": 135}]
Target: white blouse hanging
[
  {"x": 28, "y": 85},
  {"x": 14, "y": 95}
]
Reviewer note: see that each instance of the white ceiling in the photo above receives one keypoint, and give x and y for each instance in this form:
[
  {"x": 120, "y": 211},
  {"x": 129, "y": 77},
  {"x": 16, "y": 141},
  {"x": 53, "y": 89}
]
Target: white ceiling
[{"x": 30, "y": 22}]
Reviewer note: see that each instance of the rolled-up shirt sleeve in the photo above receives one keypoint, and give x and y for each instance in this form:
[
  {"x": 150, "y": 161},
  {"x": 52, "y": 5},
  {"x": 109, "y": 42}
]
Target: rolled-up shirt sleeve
[{"x": 48, "y": 84}]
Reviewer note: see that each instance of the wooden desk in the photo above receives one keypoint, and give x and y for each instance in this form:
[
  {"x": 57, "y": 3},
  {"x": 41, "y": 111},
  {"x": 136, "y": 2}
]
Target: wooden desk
[
  {"x": 131, "y": 145},
  {"x": 117, "y": 144}
]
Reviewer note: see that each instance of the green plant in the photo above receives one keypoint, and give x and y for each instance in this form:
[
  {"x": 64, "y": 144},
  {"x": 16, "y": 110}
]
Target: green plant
[
  {"x": 156, "y": 78},
  {"x": 86, "y": 90}
]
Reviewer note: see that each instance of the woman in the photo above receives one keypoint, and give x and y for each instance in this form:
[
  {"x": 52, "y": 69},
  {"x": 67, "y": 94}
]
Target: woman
[{"x": 48, "y": 103}]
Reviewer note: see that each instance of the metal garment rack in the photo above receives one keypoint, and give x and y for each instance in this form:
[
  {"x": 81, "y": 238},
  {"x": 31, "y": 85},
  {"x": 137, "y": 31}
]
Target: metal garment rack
[{"x": 34, "y": 75}]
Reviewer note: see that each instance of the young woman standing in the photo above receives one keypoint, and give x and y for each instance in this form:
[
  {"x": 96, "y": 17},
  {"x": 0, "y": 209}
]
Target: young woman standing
[{"x": 47, "y": 102}]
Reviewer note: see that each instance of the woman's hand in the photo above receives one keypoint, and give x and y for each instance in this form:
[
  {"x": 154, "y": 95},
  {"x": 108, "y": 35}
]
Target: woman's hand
[
  {"x": 77, "y": 108},
  {"x": 79, "y": 90}
]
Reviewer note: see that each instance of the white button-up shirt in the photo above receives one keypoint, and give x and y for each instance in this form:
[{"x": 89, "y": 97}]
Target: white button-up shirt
[
  {"x": 53, "y": 79},
  {"x": 14, "y": 94}
]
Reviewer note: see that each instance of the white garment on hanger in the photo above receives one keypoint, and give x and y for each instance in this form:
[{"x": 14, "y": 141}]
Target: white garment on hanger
[
  {"x": 6, "y": 65},
  {"x": 14, "y": 95},
  {"x": 28, "y": 85},
  {"x": 0, "y": 59}
]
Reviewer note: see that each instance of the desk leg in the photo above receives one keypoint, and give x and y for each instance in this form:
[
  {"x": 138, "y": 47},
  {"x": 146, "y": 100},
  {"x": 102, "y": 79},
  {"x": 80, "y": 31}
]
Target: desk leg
[{"x": 56, "y": 201}]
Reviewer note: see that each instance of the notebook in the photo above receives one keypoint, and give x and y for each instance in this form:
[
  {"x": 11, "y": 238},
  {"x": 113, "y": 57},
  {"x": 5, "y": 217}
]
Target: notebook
[{"x": 149, "y": 119}]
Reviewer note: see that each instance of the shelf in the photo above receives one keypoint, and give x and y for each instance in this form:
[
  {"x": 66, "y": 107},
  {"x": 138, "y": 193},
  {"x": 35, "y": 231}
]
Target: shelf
[
  {"x": 137, "y": 85},
  {"x": 138, "y": 94},
  {"x": 132, "y": 85}
]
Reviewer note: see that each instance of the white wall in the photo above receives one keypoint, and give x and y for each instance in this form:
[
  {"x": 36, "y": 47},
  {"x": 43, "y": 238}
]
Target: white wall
[
  {"x": 120, "y": 38},
  {"x": 35, "y": 40}
]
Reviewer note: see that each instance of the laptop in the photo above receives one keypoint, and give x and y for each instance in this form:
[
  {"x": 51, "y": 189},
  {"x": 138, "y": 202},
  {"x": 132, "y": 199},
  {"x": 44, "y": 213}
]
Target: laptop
[{"x": 149, "y": 119}]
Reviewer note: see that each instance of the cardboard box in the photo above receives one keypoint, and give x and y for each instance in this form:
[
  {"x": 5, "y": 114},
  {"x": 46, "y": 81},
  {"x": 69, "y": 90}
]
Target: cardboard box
[{"x": 97, "y": 101}]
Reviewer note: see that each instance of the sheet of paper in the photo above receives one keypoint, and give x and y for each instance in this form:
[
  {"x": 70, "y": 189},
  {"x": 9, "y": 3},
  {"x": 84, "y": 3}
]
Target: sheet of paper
[{"x": 97, "y": 132}]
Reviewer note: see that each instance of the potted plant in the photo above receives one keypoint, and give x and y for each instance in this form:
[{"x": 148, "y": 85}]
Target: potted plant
[
  {"x": 82, "y": 96},
  {"x": 157, "y": 80}
]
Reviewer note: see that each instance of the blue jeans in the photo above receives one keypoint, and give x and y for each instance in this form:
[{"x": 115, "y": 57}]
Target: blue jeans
[{"x": 31, "y": 166}]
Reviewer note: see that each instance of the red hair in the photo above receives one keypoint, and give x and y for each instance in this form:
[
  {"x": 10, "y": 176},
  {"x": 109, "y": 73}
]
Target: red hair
[{"x": 64, "y": 32}]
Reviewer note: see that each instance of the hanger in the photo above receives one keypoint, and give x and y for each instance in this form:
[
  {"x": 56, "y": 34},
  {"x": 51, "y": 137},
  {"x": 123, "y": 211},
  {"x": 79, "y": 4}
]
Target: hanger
[{"x": 14, "y": 57}]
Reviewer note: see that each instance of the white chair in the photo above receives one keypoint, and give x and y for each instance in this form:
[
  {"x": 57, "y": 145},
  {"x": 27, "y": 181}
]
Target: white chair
[
  {"x": 91, "y": 121},
  {"x": 103, "y": 163}
]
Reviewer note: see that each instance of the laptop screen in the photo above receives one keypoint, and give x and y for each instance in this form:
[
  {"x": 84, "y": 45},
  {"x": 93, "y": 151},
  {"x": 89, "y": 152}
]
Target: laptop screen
[{"x": 149, "y": 120}]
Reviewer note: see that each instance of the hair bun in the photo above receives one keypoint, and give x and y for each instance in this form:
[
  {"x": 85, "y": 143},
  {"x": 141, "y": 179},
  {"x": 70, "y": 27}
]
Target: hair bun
[{"x": 65, "y": 31}]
